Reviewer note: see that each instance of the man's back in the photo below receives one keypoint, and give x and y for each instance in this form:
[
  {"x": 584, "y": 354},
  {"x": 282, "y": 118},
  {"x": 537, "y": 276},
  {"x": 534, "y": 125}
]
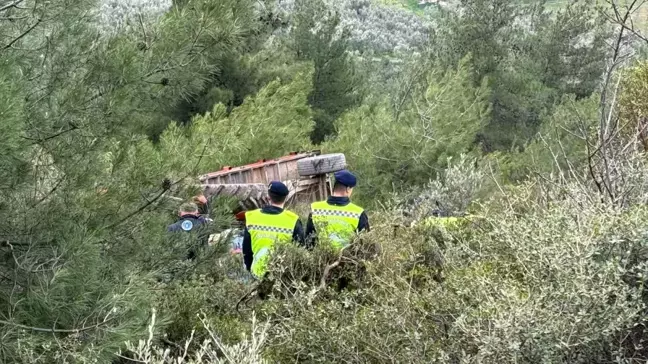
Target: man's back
[
  {"x": 262, "y": 227},
  {"x": 337, "y": 219}
]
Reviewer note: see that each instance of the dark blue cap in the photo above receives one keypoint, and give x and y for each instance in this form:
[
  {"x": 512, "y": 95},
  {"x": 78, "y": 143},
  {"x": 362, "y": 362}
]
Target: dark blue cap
[
  {"x": 345, "y": 178},
  {"x": 278, "y": 188}
]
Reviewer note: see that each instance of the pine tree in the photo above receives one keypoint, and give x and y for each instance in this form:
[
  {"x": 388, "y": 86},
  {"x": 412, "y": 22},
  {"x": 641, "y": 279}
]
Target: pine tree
[
  {"x": 82, "y": 232},
  {"x": 530, "y": 55},
  {"x": 439, "y": 122},
  {"x": 317, "y": 37},
  {"x": 276, "y": 121}
]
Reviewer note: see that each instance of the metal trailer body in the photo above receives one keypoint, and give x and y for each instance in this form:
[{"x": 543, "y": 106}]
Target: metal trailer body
[{"x": 250, "y": 182}]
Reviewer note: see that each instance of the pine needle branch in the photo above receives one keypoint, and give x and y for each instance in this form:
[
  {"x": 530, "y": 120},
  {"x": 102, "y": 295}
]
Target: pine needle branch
[
  {"x": 140, "y": 209},
  {"x": 10, "y": 5},
  {"x": 54, "y": 329},
  {"x": 8, "y": 45}
]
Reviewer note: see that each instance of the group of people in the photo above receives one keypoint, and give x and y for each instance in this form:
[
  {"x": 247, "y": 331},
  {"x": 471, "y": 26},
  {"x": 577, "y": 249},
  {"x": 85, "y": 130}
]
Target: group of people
[{"x": 334, "y": 221}]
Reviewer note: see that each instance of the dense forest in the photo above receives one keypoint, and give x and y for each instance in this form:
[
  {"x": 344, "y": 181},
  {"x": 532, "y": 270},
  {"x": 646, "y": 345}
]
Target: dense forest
[{"x": 527, "y": 118}]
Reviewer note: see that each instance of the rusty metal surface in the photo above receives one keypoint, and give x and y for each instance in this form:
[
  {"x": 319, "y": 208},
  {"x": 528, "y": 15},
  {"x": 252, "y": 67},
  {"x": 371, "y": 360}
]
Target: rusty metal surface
[
  {"x": 263, "y": 171},
  {"x": 249, "y": 182}
]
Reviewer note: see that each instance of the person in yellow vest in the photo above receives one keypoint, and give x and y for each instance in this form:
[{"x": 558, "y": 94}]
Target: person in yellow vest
[
  {"x": 337, "y": 219},
  {"x": 266, "y": 227}
]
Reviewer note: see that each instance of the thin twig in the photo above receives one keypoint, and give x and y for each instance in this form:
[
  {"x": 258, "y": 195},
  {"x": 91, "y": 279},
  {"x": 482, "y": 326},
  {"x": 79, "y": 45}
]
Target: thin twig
[
  {"x": 131, "y": 359},
  {"x": 10, "y": 5},
  {"x": 22, "y": 35},
  {"x": 140, "y": 209},
  {"x": 55, "y": 330},
  {"x": 141, "y": 21},
  {"x": 500, "y": 187},
  {"x": 176, "y": 345}
]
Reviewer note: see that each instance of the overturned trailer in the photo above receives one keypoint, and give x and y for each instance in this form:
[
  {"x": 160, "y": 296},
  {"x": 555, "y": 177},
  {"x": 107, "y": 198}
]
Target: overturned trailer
[{"x": 306, "y": 174}]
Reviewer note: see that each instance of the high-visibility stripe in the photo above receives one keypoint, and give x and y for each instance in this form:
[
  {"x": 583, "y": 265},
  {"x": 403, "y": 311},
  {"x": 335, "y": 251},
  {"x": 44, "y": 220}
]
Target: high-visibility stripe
[
  {"x": 273, "y": 229},
  {"x": 265, "y": 231},
  {"x": 334, "y": 223},
  {"x": 318, "y": 212}
]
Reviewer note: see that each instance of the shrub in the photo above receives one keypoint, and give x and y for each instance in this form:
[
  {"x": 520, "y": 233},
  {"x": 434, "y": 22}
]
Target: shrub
[
  {"x": 449, "y": 194},
  {"x": 392, "y": 152},
  {"x": 553, "y": 285},
  {"x": 211, "y": 350}
]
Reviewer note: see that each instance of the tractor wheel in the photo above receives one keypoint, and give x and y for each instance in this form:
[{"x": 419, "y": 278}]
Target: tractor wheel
[{"x": 321, "y": 164}]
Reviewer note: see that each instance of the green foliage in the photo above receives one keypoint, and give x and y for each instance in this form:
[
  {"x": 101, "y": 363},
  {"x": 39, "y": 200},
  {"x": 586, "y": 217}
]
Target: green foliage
[
  {"x": 208, "y": 295},
  {"x": 390, "y": 152},
  {"x": 450, "y": 194},
  {"x": 242, "y": 71},
  {"x": 483, "y": 30},
  {"x": 531, "y": 57},
  {"x": 336, "y": 86},
  {"x": 560, "y": 147},
  {"x": 210, "y": 351},
  {"x": 13, "y": 167},
  {"x": 83, "y": 199},
  {"x": 633, "y": 103},
  {"x": 504, "y": 288},
  {"x": 275, "y": 121},
  {"x": 570, "y": 45},
  {"x": 100, "y": 126}
]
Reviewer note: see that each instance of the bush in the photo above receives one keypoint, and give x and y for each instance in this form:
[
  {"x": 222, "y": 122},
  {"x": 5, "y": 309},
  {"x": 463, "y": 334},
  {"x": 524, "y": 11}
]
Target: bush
[
  {"x": 211, "y": 350},
  {"x": 449, "y": 194},
  {"x": 554, "y": 285},
  {"x": 393, "y": 152}
]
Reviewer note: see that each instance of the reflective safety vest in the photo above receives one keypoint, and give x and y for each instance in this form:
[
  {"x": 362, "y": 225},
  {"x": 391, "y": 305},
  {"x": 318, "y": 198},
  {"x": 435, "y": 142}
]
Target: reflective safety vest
[
  {"x": 266, "y": 230},
  {"x": 338, "y": 224}
]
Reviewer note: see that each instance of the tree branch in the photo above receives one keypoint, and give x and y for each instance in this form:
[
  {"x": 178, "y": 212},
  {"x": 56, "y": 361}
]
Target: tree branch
[
  {"x": 10, "y": 5},
  {"x": 48, "y": 194},
  {"x": 40, "y": 140},
  {"x": 22, "y": 35},
  {"x": 54, "y": 329},
  {"x": 328, "y": 268},
  {"x": 607, "y": 132},
  {"x": 140, "y": 209}
]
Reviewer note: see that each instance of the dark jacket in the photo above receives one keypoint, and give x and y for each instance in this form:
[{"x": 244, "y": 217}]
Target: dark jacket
[
  {"x": 248, "y": 256},
  {"x": 190, "y": 222},
  {"x": 311, "y": 234},
  {"x": 187, "y": 224}
]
